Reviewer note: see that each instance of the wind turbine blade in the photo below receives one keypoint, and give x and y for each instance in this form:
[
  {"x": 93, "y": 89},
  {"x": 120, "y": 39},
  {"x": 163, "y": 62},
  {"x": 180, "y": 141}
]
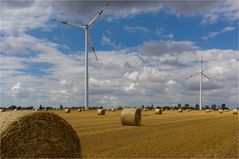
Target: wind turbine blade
[
  {"x": 71, "y": 24},
  {"x": 102, "y": 10},
  {"x": 92, "y": 46},
  {"x": 192, "y": 75},
  {"x": 207, "y": 77}
]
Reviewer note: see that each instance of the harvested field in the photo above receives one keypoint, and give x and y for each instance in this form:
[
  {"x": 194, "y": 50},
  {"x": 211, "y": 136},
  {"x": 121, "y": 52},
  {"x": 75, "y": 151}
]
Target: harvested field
[{"x": 195, "y": 134}]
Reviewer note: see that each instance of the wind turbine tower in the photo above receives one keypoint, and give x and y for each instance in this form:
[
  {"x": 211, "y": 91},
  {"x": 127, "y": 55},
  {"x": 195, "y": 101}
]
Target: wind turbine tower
[
  {"x": 87, "y": 38},
  {"x": 201, "y": 73}
]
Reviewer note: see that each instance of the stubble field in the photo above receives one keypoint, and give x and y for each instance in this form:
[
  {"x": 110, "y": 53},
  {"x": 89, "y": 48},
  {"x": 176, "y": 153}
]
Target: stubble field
[{"x": 194, "y": 134}]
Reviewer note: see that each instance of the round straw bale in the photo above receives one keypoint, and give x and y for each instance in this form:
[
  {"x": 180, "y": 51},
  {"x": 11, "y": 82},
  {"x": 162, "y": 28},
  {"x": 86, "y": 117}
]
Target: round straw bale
[
  {"x": 187, "y": 110},
  {"x": 208, "y": 110},
  {"x": 180, "y": 110},
  {"x": 36, "y": 109},
  {"x": 226, "y": 110},
  {"x": 29, "y": 134},
  {"x": 158, "y": 111},
  {"x": 131, "y": 116},
  {"x": 220, "y": 111},
  {"x": 234, "y": 111},
  {"x": 2, "y": 110},
  {"x": 79, "y": 110},
  {"x": 100, "y": 111},
  {"x": 67, "y": 110}
]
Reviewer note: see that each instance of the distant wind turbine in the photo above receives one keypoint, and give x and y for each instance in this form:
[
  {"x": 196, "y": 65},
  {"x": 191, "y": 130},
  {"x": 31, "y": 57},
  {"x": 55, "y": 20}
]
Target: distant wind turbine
[
  {"x": 87, "y": 37},
  {"x": 201, "y": 74}
]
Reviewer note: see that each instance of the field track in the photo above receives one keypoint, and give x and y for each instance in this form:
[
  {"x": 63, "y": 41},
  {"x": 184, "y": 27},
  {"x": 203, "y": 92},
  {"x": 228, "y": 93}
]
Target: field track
[{"x": 192, "y": 134}]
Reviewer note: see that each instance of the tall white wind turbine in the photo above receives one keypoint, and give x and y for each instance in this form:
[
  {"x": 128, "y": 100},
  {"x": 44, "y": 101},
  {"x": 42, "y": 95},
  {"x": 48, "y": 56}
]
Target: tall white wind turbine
[
  {"x": 201, "y": 73},
  {"x": 87, "y": 38}
]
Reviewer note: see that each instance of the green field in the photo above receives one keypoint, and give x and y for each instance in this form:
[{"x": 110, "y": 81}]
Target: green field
[{"x": 194, "y": 134}]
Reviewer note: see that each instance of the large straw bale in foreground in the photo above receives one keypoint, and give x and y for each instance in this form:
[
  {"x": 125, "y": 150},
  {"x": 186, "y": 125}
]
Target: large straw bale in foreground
[
  {"x": 131, "y": 116},
  {"x": 180, "y": 110},
  {"x": 234, "y": 111},
  {"x": 29, "y": 134},
  {"x": 100, "y": 111},
  {"x": 158, "y": 111}
]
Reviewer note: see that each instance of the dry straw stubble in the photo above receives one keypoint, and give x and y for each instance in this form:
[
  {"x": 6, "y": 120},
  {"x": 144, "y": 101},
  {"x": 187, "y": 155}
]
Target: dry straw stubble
[{"x": 28, "y": 134}]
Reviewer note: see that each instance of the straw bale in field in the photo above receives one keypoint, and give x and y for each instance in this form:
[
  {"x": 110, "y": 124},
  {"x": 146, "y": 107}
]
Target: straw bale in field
[
  {"x": 187, "y": 110},
  {"x": 36, "y": 109},
  {"x": 180, "y": 110},
  {"x": 100, "y": 111},
  {"x": 226, "y": 110},
  {"x": 234, "y": 111},
  {"x": 208, "y": 110},
  {"x": 158, "y": 111},
  {"x": 79, "y": 110},
  {"x": 220, "y": 111},
  {"x": 131, "y": 116},
  {"x": 29, "y": 134},
  {"x": 2, "y": 110},
  {"x": 67, "y": 110}
]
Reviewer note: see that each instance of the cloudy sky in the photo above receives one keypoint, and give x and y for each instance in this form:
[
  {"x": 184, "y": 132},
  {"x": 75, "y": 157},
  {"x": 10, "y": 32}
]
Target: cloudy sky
[{"x": 146, "y": 51}]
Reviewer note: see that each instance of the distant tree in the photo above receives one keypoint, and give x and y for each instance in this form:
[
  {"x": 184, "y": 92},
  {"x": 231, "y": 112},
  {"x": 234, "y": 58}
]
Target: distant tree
[
  {"x": 223, "y": 106},
  {"x": 61, "y": 106},
  {"x": 40, "y": 107},
  {"x": 179, "y": 105},
  {"x": 206, "y": 107},
  {"x": 158, "y": 107},
  {"x": 186, "y": 106},
  {"x": 152, "y": 107},
  {"x": 12, "y": 107},
  {"x": 119, "y": 107},
  {"x": 197, "y": 107},
  {"x": 142, "y": 106},
  {"x": 214, "y": 106},
  {"x": 166, "y": 107}
]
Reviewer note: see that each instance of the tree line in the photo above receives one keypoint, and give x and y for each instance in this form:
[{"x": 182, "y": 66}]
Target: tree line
[{"x": 179, "y": 106}]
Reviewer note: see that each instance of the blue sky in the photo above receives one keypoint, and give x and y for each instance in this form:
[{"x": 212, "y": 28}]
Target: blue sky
[
  {"x": 146, "y": 50},
  {"x": 158, "y": 26}
]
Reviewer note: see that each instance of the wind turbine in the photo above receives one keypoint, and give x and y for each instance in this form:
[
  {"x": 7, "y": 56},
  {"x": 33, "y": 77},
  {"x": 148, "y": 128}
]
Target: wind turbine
[
  {"x": 201, "y": 75},
  {"x": 87, "y": 38}
]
